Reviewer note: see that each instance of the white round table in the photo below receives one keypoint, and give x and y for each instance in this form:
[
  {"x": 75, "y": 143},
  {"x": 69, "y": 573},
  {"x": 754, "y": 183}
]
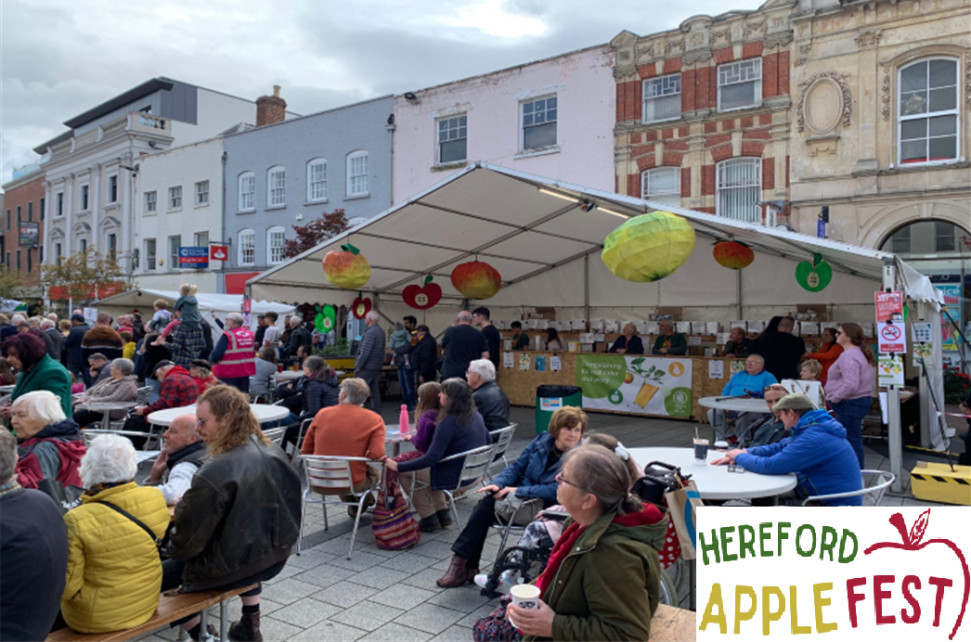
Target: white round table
[
  {"x": 738, "y": 404},
  {"x": 394, "y": 436},
  {"x": 287, "y": 375},
  {"x": 264, "y": 413},
  {"x": 715, "y": 482}
]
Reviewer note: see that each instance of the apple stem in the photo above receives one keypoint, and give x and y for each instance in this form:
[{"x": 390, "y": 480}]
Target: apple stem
[{"x": 897, "y": 520}]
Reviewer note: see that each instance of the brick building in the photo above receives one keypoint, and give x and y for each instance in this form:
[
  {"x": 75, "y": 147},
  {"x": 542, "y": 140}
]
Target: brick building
[{"x": 23, "y": 227}]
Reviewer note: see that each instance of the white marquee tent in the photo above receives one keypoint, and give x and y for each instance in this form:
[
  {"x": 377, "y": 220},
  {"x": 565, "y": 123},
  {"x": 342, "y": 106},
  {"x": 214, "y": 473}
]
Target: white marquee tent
[{"x": 142, "y": 299}]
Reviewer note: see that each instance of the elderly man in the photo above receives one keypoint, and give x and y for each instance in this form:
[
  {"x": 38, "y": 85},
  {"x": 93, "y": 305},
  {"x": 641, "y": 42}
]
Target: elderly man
[
  {"x": 481, "y": 319},
  {"x": 299, "y": 336},
  {"x": 33, "y": 553},
  {"x": 490, "y": 400},
  {"x": 738, "y": 344},
  {"x": 668, "y": 341},
  {"x": 177, "y": 389},
  {"x": 53, "y": 338},
  {"x": 753, "y": 379},
  {"x": 181, "y": 457},
  {"x": 817, "y": 451},
  {"x": 461, "y": 344},
  {"x": 232, "y": 357},
  {"x": 349, "y": 430},
  {"x": 370, "y": 357},
  {"x": 628, "y": 342},
  {"x": 98, "y": 368}
]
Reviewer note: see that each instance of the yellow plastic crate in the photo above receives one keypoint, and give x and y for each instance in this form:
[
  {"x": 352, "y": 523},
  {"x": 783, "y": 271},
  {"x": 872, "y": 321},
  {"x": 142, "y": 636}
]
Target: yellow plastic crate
[{"x": 939, "y": 483}]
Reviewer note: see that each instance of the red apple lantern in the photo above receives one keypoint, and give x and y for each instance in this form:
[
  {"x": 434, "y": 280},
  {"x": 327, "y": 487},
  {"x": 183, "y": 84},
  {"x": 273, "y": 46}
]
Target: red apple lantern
[
  {"x": 733, "y": 254},
  {"x": 347, "y": 268},
  {"x": 360, "y": 306},
  {"x": 476, "y": 280},
  {"x": 422, "y": 297}
]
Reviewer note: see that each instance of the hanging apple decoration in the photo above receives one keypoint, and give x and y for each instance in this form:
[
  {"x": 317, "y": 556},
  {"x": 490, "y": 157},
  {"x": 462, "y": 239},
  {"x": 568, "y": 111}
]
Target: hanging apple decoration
[
  {"x": 347, "y": 268},
  {"x": 360, "y": 306},
  {"x": 325, "y": 318},
  {"x": 734, "y": 255},
  {"x": 422, "y": 297},
  {"x": 476, "y": 280},
  {"x": 814, "y": 276},
  {"x": 649, "y": 247}
]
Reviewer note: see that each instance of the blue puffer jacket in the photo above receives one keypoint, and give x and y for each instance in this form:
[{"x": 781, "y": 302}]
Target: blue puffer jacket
[
  {"x": 817, "y": 451},
  {"x": 529, "y": 474}
]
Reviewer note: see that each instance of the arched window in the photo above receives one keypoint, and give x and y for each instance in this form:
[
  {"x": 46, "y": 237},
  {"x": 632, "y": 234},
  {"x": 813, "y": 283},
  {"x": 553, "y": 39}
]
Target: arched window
[
  {"x": 662, "y": 185},
  {"x": 927, "y": 112},
  {"x": 247, "y": 247},
  {"x": 927, "y": 237},
  {"x": 317, "y": 180},
  {"x": 738, "y": 189},
  {"x": 275, "y": 241},
  {"x": 276, "y": 187},
  {"x": 247, "y": 190}
]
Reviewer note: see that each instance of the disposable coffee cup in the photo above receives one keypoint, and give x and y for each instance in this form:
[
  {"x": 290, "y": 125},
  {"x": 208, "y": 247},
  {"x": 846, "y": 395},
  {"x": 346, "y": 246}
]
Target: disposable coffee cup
[
  {"x": 701, "y": 451},
  {"x": 525, "y": 596},
  {"x": 721, "y": 445}
]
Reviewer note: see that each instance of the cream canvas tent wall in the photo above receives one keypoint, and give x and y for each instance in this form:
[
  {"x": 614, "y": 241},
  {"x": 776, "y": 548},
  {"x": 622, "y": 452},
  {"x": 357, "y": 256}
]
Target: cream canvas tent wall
[{"x": 545, "y": 237}]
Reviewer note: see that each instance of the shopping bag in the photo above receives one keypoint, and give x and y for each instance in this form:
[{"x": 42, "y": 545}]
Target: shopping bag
[
  {"x": 682, "y": 503},
  {"x": 393, "y": 525}
]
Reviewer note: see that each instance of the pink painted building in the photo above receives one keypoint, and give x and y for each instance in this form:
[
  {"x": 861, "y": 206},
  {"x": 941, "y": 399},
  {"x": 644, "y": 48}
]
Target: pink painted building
[{"x": 553, "y": 118}]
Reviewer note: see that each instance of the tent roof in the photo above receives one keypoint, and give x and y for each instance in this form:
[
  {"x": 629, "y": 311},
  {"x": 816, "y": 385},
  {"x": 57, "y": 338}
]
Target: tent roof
[
  {"x": 142, "y": 298},
  {"x": 526, "y": 226}
]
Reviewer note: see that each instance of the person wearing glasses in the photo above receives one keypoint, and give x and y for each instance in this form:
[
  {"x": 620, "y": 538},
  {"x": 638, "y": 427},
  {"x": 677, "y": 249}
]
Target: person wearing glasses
[
  {"x": 754, "y": 378},
  {"x": 816, "y": 451}
]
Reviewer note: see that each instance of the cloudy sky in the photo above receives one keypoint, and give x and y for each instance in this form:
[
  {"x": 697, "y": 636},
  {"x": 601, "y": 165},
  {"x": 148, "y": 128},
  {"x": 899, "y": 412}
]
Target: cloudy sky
[{"x": 59, "y": 58}]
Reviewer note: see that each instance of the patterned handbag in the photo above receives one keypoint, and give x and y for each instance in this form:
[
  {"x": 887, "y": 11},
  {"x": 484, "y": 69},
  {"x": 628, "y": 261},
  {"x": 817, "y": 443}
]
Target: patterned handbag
[{"x": 393, "y": 525}]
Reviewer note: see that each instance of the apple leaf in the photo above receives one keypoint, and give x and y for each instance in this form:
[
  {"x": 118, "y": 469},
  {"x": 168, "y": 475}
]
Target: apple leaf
[{"x": 919, "y": 527}]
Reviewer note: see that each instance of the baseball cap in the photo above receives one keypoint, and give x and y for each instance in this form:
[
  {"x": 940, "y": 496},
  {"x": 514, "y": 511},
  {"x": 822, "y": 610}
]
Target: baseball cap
[
  {"x": 77, "y": 317},
  {"x": 796, "y": 401},
  {"x": 161, "y": 364}
]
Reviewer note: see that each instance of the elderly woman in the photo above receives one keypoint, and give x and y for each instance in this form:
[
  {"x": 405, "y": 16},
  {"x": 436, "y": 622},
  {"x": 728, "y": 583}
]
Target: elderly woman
[
  {"x": 605, "y": 564},
  {"x": 121, "y": 386},
  {"x": 259, "y": 384},
  {"x": 113, "y": 569},
  {"x": 237, "y": 523},
  {"x": 531, "y": 476},
  {"x": 460, "y": 428},
  {"x": 51, "y": 446},
  {"x": 27, "y": 353}
]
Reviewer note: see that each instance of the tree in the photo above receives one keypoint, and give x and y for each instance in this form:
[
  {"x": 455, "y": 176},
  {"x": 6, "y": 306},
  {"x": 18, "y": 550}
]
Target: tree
[
  {"x": 83, "y": 277},
  {"x": 10, "y": 283},
  {"x": 316, "y": 232}
]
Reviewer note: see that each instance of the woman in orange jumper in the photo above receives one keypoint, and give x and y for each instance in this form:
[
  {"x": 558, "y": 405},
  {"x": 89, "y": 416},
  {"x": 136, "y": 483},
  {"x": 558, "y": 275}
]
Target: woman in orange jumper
[{"x": 828, "y": 353}]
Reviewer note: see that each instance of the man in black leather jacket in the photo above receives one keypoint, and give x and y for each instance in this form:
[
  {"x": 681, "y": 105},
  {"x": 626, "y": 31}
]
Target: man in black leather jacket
[
  {"x": 490, "y": 400},
  {"x": 238, "y": 522}
]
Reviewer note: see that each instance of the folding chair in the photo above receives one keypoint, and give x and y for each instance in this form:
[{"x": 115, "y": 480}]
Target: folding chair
[
  {"x": 502, "y": 438},
  {"x": 334, "y": 473},
  {"x": 474, "y": 465},
  {"x": 875, "y": 484}
]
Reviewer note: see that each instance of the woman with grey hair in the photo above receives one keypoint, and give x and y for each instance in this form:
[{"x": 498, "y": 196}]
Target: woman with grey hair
[
  {"x": 51, "y": 446},
  {"x": 114, "y": 573},
  {"x": 120, "y": 387}
]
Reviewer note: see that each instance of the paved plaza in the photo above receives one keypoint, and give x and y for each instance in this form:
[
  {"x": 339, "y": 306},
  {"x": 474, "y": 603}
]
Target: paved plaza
[{"x": 391, "y": 595}]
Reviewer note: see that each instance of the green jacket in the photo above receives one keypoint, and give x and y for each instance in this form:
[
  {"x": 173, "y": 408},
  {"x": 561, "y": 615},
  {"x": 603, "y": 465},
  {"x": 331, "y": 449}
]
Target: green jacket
[
  {"x": 47, "y": 374},
  {"x": 607, "y": 587},
  {"x": 677, "y": 344}
]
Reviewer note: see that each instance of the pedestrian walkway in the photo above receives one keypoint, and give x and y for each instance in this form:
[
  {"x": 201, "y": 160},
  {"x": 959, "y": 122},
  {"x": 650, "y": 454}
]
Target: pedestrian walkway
[{"x": 392, "y": 595}]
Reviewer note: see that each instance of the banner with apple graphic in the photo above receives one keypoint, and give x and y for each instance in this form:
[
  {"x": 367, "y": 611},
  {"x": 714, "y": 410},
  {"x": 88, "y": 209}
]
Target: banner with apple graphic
[
  {"x": 635, "y": 384},
  {"x": 833, "y": 573}
]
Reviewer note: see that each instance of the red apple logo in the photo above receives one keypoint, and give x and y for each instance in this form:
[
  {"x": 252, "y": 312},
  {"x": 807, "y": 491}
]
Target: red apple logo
[
  {"x": 422, "y": 296},
  {"x": 733, "y": 254},
  {"x": 476, "y": 280},
  {"x": 347, "y": 268},
  {"x": 360, "y": 307},
  {"x": 913, "y": 541}
]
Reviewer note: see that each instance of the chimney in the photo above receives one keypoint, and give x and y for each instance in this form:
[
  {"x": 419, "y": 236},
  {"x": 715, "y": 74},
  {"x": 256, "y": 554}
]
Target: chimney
[{"x": 270, "y": 109}]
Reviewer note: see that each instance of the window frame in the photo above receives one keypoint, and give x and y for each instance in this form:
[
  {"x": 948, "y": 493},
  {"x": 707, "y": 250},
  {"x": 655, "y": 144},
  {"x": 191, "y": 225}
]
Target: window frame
[
  {"x": 280, "y": 190},
  {"x": 659, "y": 197},
  {"x": 84, "y": 195},
  {"x": 174, "y": 250},
  {"x": 351, "y": 192},
  {"x": 151, "y": 259},
  {"x": 757, "y": 99},
  {"x": 720, "y": 170},
  {"x": 241, "y": 249},
  {"x": 202, "y": 196},
  {"x": 523, "y": 126},
  {"x": 241, "y": 196},
  {"x": 462, "y": 127},
  {"x": 928, "y": 115},
  {"x": 645, "y": 100},
  {"x": 313, "y": 164},
  {"x": 175, "y": 194},
  {"x": 151, "y": 204},
  {"x": 112, "y": 189},
  {"x": 60, "y": 203},
  {"x": 270, "y": 232}
]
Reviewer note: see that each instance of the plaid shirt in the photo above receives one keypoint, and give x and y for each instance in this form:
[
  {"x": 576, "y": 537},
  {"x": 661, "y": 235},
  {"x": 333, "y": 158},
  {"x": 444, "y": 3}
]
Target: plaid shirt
[{"x": 178, "y": 389}]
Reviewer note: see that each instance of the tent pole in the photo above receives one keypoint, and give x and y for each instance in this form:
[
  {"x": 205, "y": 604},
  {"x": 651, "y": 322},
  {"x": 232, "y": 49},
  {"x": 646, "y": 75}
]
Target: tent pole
[
  {"x": 894, "y": 443},
  {"x": 738, "y": 294},
  {"x": 586, "y": 287}
]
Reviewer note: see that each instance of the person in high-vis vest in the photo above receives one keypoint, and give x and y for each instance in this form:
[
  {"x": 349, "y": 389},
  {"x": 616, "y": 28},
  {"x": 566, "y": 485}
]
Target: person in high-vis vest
[{"x": 232, "y": 357}]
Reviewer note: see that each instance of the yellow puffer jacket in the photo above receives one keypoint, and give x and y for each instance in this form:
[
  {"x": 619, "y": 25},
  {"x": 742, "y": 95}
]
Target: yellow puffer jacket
[{"x": 113, "y": 570}]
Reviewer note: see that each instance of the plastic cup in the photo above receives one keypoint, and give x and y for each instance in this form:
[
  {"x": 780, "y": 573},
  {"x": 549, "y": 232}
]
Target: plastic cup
[
  {"x": 525, "y": 596},
  {"x": 721, "y": 445},
  {"x": 701, "y": 451}
]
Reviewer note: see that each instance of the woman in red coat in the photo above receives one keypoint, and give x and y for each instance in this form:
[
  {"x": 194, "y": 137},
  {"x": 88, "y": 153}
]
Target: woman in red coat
[{"x": 828, "y": 353}]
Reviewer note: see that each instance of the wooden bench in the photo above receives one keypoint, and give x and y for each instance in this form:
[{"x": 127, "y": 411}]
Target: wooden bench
[
  {"x": 172, "y": 606},
  {"x": 671, "y": 624}
]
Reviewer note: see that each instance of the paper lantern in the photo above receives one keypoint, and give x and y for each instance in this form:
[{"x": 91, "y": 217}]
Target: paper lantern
[
  {"x": 649, "y": 247},
  {"x": 347, "y": 268},
  {"x": 476, "y": 280},
  {"x": 814, "y": 276},
  {"x": 733, "y": 254}
]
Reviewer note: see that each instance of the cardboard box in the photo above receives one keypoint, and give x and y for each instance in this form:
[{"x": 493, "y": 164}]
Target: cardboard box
[{"x": 938, "y": 483}]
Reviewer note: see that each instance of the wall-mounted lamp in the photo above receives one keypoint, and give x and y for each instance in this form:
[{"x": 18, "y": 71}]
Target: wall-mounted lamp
[
  {"x": 411, "y": 97},
  {"x": 133, "y": 170}
]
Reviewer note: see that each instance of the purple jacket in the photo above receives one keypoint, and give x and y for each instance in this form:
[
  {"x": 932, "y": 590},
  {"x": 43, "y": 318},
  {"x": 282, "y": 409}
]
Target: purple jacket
[
  {"x": 425, "y": 431},
  {"x": 850, "y": 377}
]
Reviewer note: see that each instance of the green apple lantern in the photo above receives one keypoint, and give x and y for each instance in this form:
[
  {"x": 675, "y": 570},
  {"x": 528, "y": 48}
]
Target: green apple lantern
[
  {"x": 814, "y": 276},
  {"x": 347, "y": 268},
  {"x": 476, "y": 279},
  {"x": 734, "y": 255},
  {"x": 649, "y": 247},
  {"x": 325, "y": 318}
]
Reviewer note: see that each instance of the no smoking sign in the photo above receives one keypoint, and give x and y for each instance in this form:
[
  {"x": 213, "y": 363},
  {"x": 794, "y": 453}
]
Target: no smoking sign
[{"x": 890, "y": 337}]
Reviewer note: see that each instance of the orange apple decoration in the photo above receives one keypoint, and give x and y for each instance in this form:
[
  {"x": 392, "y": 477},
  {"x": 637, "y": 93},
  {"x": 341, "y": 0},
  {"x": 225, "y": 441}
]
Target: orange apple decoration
[
  {"x": 347, "y": 268},
  {"x": 733, "y": 254},
  {"x": 476, "y": 280}
]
